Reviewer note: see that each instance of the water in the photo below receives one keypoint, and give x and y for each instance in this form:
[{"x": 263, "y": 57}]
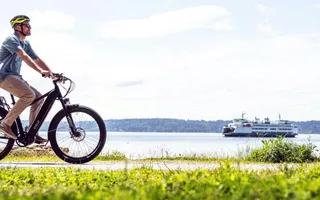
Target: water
[{"x": 141, "y": 145}]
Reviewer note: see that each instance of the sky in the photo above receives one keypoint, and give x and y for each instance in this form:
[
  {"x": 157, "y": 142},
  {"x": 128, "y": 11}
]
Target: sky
[{"x": 184, "y": 59}]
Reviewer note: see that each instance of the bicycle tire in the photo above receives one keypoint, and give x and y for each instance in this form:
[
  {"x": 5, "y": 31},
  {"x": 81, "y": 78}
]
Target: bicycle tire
[
  {"x": 9, "y": 146},
  {"x": 52, "y": 133}
]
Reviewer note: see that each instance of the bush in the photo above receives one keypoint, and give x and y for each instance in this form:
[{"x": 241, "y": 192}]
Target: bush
[{"x": 279, "y": 150}]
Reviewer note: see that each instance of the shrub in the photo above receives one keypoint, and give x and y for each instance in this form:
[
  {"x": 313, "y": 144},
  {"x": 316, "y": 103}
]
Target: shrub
[{"x": 280, "y": 150}]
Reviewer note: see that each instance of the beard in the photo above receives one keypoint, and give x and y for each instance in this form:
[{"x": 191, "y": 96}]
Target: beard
[{"x": 27, "y": 33}]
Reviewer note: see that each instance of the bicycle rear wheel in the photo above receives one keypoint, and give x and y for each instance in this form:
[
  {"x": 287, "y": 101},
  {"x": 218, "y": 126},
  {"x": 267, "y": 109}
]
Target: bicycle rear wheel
[
  {"x": 6, "y": 143},
  {"x": 86, "y": 143}
]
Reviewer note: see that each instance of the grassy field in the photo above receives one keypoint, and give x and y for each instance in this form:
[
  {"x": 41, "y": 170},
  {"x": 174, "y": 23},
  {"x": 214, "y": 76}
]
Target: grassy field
[
  {"x": 224, "y": 182},
  {"x": 32, "y": 155}
]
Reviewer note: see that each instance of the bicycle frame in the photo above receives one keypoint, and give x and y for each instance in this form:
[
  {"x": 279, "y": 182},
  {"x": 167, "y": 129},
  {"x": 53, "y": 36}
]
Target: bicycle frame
[
  {"x": 38, "y": 121},
  {"x": 79, "y": 153}
]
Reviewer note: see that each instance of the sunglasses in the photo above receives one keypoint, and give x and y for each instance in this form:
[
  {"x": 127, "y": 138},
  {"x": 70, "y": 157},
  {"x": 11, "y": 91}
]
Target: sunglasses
[{"x": 27, "y": 25}]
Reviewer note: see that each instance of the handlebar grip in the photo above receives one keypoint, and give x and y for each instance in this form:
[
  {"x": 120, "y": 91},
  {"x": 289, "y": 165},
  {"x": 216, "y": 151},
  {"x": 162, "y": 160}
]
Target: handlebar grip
[{"x": 44, "y": 75}]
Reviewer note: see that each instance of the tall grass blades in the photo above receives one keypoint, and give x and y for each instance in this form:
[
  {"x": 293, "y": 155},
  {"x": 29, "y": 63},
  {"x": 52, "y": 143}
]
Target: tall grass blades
[{"x": 280, "y": 150}]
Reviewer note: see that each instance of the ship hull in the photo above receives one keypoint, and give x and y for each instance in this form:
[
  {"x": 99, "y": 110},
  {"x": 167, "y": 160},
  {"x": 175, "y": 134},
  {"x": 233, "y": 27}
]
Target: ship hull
[
  {"x": 258, "y": 135},
  {"x": 252, "y": 132},
  {"x": 241, "y": 127}
]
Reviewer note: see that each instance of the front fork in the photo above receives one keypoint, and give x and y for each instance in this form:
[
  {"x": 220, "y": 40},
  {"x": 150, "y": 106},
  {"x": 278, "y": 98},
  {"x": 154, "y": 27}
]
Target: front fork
[{"x": 66, "y": 106}]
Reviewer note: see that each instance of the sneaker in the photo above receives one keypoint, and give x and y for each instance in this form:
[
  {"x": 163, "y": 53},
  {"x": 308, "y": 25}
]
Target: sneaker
[
  {"x": 6, "y": 129},
  {"x": 40, "y": 140}
]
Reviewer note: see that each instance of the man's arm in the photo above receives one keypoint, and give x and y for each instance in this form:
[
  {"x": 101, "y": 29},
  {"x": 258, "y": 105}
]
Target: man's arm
[
  {"x": 27, "y": 59},
  {"x": 42, "y": 64},
  {"x": 44, "y": 69},
  {"x": 34, "y": 65}
]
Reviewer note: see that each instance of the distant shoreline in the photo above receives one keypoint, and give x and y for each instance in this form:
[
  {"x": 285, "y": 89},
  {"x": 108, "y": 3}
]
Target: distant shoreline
[{"x": 179, "y": 125}]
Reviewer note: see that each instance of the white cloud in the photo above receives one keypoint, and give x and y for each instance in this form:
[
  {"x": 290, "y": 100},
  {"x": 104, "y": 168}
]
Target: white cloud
[
  {"x": 51, "y": 20},
  {"x": 259, "y": 76},
  {"x": 222, "y": 25},
  {"x": 63, "y": 52},
  {"x": 167, "y": 23},
  {"x": 268, "y": 29},
  {"x": 268, "y": 11},
  {"x": 261, "y": 8}
]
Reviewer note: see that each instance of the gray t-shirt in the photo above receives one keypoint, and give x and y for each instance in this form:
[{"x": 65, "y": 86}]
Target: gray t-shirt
[{"x": 10, "y": 62}]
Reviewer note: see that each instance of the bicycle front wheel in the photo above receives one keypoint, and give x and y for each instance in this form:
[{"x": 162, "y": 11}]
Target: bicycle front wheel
[{"x": 83, "y": 145}]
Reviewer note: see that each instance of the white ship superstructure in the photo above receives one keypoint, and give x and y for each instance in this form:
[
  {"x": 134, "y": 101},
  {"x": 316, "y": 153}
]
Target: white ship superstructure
[{"x": 257, "y": 128}]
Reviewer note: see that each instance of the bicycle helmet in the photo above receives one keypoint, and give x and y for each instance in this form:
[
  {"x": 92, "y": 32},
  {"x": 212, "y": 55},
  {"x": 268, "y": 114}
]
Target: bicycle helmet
[{"x": 19, "y": 19}]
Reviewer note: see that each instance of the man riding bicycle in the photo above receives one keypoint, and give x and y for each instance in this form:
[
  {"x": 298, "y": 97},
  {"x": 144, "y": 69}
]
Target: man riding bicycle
[{"x": 13, "y": 51}]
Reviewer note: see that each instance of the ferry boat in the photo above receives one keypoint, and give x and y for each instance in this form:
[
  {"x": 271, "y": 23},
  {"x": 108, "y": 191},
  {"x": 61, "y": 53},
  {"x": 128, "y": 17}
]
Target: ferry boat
[{"x": 257, "y": 128}]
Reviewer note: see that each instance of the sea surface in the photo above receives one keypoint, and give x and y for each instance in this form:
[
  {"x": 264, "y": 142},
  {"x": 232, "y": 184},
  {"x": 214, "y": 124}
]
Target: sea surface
[{"x": 142, "y": 145}]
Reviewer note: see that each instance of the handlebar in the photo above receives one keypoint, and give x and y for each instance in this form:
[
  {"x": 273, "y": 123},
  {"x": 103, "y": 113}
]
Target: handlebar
[{"x": 59, "y": 78}]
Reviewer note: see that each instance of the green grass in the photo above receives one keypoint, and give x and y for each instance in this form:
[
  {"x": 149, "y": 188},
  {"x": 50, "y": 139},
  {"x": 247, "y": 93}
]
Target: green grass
[
  {"x": 276, "y": 150},
  {"x": 46, "y": 155},
  {"x": 28, "y": 155},
  {"x": 225, "y": 182}
]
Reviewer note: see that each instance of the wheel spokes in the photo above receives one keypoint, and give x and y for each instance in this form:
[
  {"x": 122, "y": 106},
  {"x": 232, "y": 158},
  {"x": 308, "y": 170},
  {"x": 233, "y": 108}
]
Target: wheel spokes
[{"x": 84, "y": 141}]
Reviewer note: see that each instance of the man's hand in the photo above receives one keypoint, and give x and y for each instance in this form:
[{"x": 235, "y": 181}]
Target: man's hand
[{"x": 47, "y": 74}]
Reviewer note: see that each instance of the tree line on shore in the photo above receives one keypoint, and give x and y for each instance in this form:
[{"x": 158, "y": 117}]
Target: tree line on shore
[{"x": 179, "y": 125}]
